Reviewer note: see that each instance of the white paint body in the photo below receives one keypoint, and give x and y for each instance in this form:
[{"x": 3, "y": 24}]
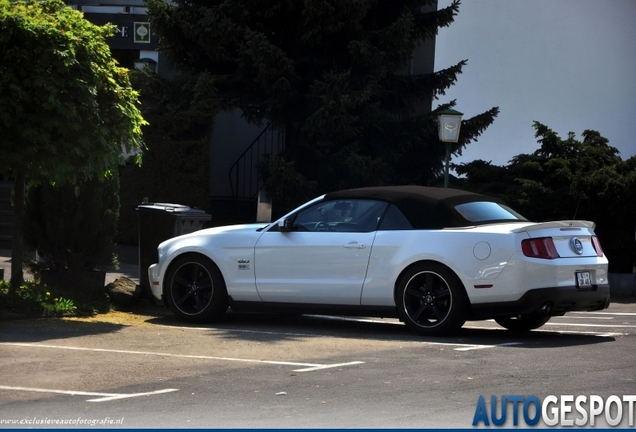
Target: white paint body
[{"x": 261, "y": 264}]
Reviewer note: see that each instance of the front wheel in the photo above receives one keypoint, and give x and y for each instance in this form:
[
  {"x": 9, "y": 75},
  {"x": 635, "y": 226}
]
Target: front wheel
[
  {"x": 431, "y": 300},
  {"x": 195, "y": 290},
  {"x": 522, "y": 323}
]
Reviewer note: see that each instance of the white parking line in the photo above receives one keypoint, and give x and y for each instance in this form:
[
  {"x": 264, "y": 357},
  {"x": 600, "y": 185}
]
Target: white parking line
[
  {"x": 583, "y": 332},
  {"x": 104, "y": 396},
  {"x": 591, "y": 325},
  {"x": 470, "y": 347},
  {"x": 315, "y": 368},
  {"x": 606, "y": 313},
  {"x": 307, "y": 367},
  {"x": 124, "y": 396},
  {"x": 579, "y": 332}
]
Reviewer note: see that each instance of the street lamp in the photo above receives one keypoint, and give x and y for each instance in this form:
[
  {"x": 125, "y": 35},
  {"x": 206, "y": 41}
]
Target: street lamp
[{"x": 449, "y": 122}]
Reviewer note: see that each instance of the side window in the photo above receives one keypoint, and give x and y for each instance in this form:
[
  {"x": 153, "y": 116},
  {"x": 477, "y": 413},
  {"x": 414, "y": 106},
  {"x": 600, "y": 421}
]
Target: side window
[
  {"x": 340, "y": 216},
  {"x": 394, "y": 220}
]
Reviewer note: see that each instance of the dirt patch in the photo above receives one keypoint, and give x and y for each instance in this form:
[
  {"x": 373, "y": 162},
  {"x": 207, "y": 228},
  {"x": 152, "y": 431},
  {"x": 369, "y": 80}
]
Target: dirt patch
[{"x": 138, "y": 314}]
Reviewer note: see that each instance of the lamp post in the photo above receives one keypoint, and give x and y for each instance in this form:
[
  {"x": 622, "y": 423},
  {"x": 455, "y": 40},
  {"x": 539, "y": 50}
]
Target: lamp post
[{"x": 449, "y": 122}]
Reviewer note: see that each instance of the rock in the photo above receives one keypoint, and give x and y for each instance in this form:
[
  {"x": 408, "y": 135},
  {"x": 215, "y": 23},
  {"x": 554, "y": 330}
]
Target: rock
[{"x": 123, "y": 291}]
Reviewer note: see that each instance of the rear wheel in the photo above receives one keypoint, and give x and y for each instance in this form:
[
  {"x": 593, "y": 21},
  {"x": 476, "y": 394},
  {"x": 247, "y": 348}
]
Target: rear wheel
[
  {"x": 431, "y": 300},
  {"x": 523, "y": 322},
  {"x": 195, "y": 290}
]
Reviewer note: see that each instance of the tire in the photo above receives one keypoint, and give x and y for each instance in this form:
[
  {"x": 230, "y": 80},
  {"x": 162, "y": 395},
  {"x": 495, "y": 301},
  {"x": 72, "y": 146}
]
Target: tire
[
  {"x": 195, "y": 290},
  {"x": 431, "y": 300},
  {"x": 522, "y": 323}
]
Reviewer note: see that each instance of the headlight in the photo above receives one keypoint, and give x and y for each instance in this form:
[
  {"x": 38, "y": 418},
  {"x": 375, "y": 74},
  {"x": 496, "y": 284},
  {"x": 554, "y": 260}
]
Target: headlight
[{"x": 161, "y": 252}]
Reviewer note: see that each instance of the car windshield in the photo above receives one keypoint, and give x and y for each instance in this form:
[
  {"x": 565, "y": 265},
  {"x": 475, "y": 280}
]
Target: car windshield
[
  {"x": 342, "y": 215},
  {"x": 482, "y": 211}
]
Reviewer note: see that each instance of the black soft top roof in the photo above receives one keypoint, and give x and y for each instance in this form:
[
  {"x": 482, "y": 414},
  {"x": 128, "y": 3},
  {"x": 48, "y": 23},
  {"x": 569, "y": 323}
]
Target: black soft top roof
[{"x": 424, "y": 207}]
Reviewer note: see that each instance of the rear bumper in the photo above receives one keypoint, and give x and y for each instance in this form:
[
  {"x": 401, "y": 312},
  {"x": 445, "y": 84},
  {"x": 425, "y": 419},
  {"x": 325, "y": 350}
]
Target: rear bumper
[{"x": 547, "y": 301}]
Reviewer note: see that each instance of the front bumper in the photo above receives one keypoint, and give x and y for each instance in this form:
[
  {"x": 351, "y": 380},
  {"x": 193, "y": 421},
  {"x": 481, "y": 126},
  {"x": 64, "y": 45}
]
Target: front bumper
[
  {"x": 547, "y": 301},
  {"x": 155, "y": 281}
]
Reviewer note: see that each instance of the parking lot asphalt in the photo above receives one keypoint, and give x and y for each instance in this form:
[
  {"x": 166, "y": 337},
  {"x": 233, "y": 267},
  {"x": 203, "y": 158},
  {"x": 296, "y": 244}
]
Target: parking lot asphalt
[{"x": 268, "y": 371}]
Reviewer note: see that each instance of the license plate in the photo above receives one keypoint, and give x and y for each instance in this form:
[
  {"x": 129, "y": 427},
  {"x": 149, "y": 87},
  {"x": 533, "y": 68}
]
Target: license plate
[{"x": 583, "y": 279}]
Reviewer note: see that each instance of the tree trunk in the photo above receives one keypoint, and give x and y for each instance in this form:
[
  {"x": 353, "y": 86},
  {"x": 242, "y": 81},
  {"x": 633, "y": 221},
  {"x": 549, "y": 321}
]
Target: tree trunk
[{"x": 17, "y": 249}]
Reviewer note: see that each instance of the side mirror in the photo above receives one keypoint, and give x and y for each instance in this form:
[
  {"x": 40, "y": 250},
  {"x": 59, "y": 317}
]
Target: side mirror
[{"x": 285, "y": 225}]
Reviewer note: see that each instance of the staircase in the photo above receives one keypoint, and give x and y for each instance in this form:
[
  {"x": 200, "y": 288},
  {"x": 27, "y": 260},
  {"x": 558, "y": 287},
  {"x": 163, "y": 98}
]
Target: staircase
[
  {"x": 245, "y": 178},
  {"x": 246, "y": 181},
  {"x": 6, "y": 215}
]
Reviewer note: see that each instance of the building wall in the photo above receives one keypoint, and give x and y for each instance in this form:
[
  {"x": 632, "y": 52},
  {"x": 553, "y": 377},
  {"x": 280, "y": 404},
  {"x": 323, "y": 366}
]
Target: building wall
[{"x": 133, "y": 39}]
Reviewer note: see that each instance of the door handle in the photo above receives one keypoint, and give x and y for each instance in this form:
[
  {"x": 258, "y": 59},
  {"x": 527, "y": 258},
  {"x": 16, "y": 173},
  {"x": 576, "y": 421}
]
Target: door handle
[{"x": 354, "y": 245}]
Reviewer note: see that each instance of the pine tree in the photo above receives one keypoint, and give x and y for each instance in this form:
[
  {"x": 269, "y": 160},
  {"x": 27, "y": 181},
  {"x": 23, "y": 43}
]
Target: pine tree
[{"x": 332, "y": 75}]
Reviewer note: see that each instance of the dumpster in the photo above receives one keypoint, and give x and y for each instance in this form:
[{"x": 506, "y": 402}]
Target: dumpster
[{"x": 159, "y": 222}]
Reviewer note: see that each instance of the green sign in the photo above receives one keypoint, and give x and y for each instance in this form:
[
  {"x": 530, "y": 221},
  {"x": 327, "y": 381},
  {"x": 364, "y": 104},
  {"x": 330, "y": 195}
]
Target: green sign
[{"x": 142, "y": 32}]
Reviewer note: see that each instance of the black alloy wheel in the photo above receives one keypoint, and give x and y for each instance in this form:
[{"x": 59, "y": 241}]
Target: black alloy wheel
[
  {"x": 195, "y": 290},
  {"x": 431, "y": 300}
]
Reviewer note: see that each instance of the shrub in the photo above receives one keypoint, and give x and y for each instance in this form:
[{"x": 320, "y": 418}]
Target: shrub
[{"x": 33, "y": 299}]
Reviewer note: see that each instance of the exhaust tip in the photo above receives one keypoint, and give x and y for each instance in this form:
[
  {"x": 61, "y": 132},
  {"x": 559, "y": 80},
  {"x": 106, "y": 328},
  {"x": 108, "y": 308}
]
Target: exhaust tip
[{"x": 546, "y": 308}]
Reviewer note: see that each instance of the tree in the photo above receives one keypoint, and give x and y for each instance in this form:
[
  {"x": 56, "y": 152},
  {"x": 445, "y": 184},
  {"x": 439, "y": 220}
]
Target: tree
[
  {"x": 331, "y": 74},
  {"x": 176, "y": 164},
  {"x": 67, "y": 111},
  {"x": 569, "y": 179}
]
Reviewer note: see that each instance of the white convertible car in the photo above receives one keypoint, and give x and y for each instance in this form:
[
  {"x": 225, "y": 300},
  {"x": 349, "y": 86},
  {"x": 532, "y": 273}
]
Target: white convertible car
[{"x": 433, "y": 257}]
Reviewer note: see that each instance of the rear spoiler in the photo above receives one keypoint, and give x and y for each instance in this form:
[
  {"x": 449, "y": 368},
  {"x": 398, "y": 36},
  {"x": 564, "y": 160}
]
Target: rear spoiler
[{"x": 556, "y": 224}]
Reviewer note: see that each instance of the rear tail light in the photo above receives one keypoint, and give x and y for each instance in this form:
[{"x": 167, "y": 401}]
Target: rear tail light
[
  {"x": 539, "y": 248},
  {"x": 597, "y": 246}
]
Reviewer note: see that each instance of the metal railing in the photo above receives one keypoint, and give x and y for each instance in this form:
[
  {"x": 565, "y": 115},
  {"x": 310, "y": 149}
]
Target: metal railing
[{"x": 245, "y": 178}]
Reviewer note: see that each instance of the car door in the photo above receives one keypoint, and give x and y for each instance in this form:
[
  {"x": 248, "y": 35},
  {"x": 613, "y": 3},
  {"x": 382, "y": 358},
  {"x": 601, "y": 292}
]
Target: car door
[{"x": 322, "y": 257}]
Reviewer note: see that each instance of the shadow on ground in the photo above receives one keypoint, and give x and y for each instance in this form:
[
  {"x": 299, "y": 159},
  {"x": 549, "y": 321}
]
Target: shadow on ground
[
  {"x": 273, "y": 328},
  {"x": 45, "y": 329}
]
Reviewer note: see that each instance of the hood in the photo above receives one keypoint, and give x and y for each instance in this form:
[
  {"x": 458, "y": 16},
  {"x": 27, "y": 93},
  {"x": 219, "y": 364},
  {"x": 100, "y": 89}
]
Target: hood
[{"x": 234, "y": 228}]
